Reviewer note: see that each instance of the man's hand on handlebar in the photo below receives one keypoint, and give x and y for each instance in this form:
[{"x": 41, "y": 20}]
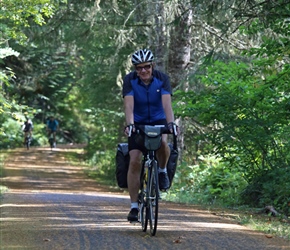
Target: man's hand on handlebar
[
  {"x": 129, "y": 129},
  {"x": 173, "y": 128}
]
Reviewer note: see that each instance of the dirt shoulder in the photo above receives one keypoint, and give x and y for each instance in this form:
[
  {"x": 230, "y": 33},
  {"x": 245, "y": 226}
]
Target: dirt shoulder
[{"x": 51, "y": 204}]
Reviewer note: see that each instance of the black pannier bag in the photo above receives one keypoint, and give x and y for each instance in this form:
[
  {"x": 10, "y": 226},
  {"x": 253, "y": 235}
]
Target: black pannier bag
[
  {"x": 123, "y": 158},
  {"x": 122, "y": 164},
  {"x": 172, "y": 163}
]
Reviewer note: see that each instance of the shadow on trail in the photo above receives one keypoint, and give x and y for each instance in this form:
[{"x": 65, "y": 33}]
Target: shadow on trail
[
  {"x": 51, "y": 204},
  {"x": 77, "y": 221},
  {"x": 43, "y": 169}
]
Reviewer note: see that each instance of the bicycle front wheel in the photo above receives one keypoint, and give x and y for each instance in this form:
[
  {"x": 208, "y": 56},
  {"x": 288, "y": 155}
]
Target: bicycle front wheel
[
  {"x": 143, "y": 213},
  {"x": 27, "y": 142},
  {"x": 51, "y": 141},
  {"x": 143, "y": 218},
  {"x": 153, "y": 189}
]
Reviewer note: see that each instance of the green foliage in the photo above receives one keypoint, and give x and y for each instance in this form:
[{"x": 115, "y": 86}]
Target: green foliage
[
  {"x": 11, "y": 134},
  {"x": 3, "y": 189},
  {"x": 73, "y": 57},
  {"x": 244, "y": 111},
  {"x": 104, "y": 135},
  {"x": 16, "y": 14},
  {"x": 211, "y": 181},
  {"x": 270, "y": 187},
  {"x": 247, "y": 116},
  {"x": 102, "y": 166}
]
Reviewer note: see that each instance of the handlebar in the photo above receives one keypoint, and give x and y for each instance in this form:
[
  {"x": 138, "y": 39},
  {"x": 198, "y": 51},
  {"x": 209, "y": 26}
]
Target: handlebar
[
  {"x": 153, "y": 131},
  {"x": 163, "y": 129}
]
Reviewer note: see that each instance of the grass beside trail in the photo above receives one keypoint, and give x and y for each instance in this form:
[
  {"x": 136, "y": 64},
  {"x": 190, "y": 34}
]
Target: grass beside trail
[
  {"x": 2, "y": 188},
  {"x": 254, "y": 218},
  {"x": 257, "y": 220}
]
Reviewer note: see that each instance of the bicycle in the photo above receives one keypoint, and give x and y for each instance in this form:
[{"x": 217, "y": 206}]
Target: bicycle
[
  {"x": 27, "y": 141},
  {"x": 149, "y": 193},
  {"x": 51, "y": 141}
]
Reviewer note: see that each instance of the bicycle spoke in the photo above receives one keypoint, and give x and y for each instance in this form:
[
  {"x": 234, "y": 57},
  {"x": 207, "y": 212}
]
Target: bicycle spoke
[
  {"x": 153, "y": 199},
  {"x": 142, "y": 208}
]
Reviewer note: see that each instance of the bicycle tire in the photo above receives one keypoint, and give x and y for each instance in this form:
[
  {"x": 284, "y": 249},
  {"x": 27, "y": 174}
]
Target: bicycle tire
[
  {"x": 152, "y": 203},
  {"x": 143, "y": 214},
  {"x": 51, "y": 143},
  {"x": 27, "y": 142},
  {"x": 143, "y": 219}
]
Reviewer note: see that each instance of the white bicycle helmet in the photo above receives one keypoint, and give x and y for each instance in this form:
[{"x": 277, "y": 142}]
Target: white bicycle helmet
[{"x": 142, "y": 56}]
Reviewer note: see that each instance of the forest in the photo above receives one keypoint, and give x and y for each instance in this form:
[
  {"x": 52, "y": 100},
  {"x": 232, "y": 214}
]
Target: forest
[{"x": 228, "y": 62}]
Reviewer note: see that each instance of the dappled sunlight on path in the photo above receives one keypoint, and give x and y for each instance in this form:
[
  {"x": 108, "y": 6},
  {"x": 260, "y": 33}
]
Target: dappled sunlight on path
[{"x": 52, "y": 204}]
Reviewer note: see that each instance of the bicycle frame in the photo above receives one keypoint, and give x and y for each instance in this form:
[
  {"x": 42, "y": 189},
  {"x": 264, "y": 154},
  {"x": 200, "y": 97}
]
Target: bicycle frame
[
  {"x": 51, "y": 140},
  {"x": 149, "y": 193},
  {"x": 149, "y": 187},
  {"x": 27, "y": 141}
]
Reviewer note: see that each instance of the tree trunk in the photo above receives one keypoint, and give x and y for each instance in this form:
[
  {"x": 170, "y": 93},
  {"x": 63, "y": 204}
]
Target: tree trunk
[{"x": 179, "y": 58}]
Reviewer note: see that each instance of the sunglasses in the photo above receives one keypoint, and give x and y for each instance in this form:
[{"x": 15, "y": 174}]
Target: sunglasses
[{"x": 146, "y": 67}]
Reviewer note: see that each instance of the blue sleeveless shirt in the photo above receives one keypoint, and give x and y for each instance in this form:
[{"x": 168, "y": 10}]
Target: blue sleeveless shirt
[{"x": 147, "y": 98}]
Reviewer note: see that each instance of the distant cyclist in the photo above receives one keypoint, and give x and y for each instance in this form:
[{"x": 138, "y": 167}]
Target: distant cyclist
[
  {"x": 52, "y": 127},
  {"x": 27, "y": 129}
]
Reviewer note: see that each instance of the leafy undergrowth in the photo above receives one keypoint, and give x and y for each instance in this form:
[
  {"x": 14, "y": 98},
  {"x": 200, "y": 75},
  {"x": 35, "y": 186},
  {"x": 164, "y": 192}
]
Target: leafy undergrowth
[
  {"x": 2, "y": 188},
  {"x": 258, "y": 220},
  {"x": 254, "y": 218},
  {"x": 102, "y": 170}
]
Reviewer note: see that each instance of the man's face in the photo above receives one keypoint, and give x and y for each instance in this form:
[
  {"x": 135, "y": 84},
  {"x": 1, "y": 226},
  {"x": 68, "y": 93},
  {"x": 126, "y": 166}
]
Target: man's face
[{"x": 144, "y": 71}]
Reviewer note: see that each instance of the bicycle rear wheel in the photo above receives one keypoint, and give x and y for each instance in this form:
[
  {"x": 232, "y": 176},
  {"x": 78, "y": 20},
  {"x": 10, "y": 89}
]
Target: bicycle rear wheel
[
  {"x": 152, "y": 202},
  {"x": 51, "y": 141},
  {"x": 27, "y": 142}
]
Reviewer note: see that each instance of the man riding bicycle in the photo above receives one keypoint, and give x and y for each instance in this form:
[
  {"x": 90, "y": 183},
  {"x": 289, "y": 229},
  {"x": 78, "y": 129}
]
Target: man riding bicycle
[
  {"x": 147, "y": 101},
  {"x": 27, "y": 129},
  {"x": 51, "y": 127}
]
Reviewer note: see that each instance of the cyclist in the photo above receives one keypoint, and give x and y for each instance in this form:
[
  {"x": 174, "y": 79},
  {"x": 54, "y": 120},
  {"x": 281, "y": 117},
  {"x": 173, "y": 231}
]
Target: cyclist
[
  {"x": 51, "y": 127},
  {"x": 147, "y": 101},
  {"x": 27, "y": 129}
]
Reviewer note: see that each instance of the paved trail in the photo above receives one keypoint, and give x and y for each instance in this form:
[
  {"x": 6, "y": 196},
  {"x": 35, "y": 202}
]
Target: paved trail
[{"x": 53, "y": 205}]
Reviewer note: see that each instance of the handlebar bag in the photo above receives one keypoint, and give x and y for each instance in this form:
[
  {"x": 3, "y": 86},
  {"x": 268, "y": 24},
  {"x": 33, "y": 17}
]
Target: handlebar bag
[{"x": 152, "y": 137}]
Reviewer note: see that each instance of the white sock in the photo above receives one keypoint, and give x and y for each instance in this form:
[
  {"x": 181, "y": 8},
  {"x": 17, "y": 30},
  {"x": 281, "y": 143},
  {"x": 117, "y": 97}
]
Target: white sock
[
  {"x": 162, "y": 170},
  {"x": 134, "y": 205}
]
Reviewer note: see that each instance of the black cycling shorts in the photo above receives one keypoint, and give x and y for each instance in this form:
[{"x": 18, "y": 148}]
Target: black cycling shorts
[
  {"x": 133, "y": 139},
  {"x": 27, "y": 130}
]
